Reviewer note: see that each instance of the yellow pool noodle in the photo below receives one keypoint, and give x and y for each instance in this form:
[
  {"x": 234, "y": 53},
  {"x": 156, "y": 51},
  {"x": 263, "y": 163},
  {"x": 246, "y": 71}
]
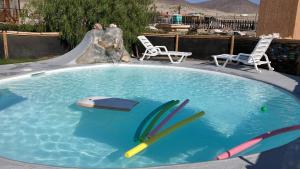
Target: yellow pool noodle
[{"x": 132, "y": 152}]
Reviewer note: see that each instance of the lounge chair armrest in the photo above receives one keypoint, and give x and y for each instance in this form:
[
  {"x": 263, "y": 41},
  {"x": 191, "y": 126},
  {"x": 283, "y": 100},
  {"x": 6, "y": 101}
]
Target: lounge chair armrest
[
  {"x": 252, "y": 58},
  {"x": 162, "y": 47},
  {"x": 242, "y": 54},
  {"x": 152, "y": 50}
]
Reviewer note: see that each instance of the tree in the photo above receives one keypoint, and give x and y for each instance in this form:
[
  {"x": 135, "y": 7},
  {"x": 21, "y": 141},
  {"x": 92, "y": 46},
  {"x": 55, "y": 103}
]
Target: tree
[{"x": 73, "y": 18}]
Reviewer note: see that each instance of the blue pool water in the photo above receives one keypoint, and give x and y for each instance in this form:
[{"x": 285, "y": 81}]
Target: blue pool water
[{"x": 40, "y": 122}]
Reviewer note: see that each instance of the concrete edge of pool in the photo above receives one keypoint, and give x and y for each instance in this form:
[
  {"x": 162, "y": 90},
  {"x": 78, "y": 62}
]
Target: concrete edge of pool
[{"x": 284, "y": 153}]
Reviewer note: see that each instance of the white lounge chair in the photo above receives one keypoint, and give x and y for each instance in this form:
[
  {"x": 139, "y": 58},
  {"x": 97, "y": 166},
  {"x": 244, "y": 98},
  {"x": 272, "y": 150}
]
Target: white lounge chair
[
  {"x": 161, "y": 50},
  {"x": 254, "y": 58}
]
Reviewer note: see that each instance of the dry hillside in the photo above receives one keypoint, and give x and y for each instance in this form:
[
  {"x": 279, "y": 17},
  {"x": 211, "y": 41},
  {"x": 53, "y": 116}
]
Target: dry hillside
[{"x": 209, "y": 7}]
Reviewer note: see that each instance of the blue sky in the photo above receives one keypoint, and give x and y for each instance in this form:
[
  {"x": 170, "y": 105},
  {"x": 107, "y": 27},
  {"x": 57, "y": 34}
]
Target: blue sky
[{"x": 255, "y": 1}]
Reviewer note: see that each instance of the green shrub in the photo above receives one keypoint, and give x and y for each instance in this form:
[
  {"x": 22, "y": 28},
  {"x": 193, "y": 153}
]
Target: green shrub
[
  {"x": 22, "y": 27},
  {"x": 73, "y": 18}
]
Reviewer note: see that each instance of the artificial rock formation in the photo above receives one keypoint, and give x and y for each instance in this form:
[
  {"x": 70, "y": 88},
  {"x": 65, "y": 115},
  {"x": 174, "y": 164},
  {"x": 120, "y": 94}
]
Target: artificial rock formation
[{"x": 107, "y": 47}]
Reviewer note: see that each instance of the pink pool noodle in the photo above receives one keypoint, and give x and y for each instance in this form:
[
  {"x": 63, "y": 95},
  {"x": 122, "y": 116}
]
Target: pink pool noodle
[
  {"x": 162, "y": 123},
  {"x": 254, "y": 141}
]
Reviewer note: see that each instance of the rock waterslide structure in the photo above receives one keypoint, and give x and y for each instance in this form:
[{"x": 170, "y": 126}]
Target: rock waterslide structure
[
  {"x": 107, "y": 47},
  {"x": 97, "y": 46}
]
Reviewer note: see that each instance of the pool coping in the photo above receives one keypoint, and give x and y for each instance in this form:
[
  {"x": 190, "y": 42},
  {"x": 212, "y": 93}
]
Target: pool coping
[{"x": 290, "y": 84}]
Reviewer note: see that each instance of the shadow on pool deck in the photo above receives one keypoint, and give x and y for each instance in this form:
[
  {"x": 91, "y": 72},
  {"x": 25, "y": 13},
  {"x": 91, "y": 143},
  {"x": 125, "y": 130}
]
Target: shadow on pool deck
[
  {"x": 9, "y": 99},
  {"x": 96, "y": 124},
  {"x": 284, "y": 157},
  {"x": 296, "y": 91}
]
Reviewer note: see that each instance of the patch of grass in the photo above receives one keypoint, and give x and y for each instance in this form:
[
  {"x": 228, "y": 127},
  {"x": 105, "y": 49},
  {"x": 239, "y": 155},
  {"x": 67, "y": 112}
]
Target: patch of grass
[{"x": 21, "y": 60}]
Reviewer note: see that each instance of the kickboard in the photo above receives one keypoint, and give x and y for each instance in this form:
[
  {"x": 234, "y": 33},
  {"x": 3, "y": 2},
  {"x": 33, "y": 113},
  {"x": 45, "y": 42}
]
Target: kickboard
[{"x": 108, "y": 103}]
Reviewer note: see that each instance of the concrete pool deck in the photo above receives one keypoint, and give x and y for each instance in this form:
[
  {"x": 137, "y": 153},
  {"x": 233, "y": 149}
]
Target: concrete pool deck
[{"x": 285, "y": 157}]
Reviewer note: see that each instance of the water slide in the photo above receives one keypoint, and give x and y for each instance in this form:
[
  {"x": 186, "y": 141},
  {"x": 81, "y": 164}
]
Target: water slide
[
  {"x": 62, "y": 61},
  {"x": 71, "y": 57}
]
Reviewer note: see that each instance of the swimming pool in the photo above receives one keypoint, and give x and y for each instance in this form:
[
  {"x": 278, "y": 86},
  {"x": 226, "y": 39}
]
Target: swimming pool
[{"x": 41, "y": 123}]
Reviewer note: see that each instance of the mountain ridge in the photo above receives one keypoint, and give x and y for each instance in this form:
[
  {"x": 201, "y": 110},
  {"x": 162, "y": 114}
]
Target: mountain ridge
[
  {"x": 228, "y": 6},
  {"x": 233, "y": 6}
]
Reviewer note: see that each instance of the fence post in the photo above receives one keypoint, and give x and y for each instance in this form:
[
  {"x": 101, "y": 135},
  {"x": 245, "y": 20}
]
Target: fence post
[
  {"x": 232, "y": 45},
  {"x": 5, "y": 45},
  {"x": 176, "y": 42}
]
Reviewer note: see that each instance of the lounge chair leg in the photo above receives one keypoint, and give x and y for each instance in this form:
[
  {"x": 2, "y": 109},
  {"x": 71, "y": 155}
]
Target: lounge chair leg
[
  {"x": 216, "y": 61},
  {"x": 170, "y": 58},
  {"x": 144, "y": 55},
  {"x": 269, "y": 63},
  {"x": 181, "y": 58},
  {"x": 256, "y": 68},
  {"x": 227, "y": 60},
  {"x": 270, "y": 67}
]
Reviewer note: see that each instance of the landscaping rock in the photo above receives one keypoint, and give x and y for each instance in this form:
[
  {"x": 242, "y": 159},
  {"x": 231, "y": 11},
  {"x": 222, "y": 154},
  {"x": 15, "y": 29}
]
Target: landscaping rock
[{"x": 107, "y": 47}]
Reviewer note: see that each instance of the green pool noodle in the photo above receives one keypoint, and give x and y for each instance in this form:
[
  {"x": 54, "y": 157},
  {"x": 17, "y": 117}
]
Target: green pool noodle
[
  {"x": 148, "y": 118},
  {"x": 143, "y": 145},
  {"x": 155, "y": 119}
]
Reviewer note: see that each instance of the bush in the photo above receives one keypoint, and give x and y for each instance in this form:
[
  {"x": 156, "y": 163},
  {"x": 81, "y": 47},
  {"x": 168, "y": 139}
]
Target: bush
[
  {"x": 74, "y": 18},
  {"x": 22, "y": 27}
]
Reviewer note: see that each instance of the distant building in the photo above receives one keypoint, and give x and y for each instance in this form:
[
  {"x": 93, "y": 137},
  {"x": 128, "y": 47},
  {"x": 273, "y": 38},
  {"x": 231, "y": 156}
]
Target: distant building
[{"x": 279, "y": 16}]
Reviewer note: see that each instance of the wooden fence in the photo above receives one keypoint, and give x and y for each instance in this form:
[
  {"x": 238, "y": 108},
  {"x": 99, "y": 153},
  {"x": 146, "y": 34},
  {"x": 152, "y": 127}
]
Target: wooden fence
[{"x": 15, "y": 44}]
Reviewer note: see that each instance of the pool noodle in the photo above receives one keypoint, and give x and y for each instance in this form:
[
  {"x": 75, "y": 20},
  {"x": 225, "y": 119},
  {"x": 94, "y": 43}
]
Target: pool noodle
[
  {"x": 254, "y": 141},
  {"x": 155, "y": 119},
  {"x": 163, "y": 133},
  {"x": 150, "y": 115},
  {"x": 162, "y": 123}
]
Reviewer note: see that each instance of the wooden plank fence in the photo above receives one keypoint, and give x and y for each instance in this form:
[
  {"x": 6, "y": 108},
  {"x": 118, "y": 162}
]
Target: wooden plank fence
[{"x": 17, "y": 33}]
